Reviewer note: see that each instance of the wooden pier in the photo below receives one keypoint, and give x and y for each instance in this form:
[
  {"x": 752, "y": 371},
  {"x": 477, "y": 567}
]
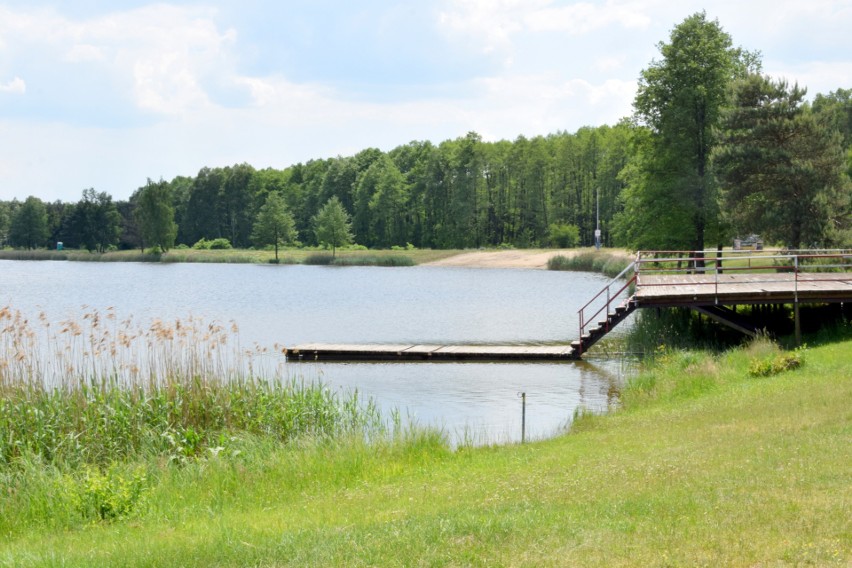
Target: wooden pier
[
  {"x": 408, "y": 352},
  {"x": 709, "y": 282}
]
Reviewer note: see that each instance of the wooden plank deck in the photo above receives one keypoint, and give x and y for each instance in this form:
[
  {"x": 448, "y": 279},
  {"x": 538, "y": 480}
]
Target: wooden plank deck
[
  {"x": 411, "y": 352},
  {"x": 741, "y": 288}
]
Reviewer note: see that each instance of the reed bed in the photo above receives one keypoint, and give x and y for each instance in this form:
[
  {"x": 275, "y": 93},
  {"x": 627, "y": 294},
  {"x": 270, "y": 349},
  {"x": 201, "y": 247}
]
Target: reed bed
[
  {"x": 103, "y": 389},
  {"x": 605, "y": 263},
  {"x": 322, "y": 259}
]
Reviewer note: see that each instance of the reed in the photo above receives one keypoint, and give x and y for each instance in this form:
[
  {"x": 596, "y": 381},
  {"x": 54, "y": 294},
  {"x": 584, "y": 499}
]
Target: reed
[
  {"x": 103, "y": 389},
  {"x": 603, "y": 262},
  {"x": 322, "y": 259}
]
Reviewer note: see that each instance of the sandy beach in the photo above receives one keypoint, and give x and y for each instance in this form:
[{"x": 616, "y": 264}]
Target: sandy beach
[{"x": 535, "y": 259}]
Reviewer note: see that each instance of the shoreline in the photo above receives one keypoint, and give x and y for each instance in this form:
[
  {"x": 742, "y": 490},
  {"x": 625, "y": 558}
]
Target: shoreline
[
  {"x": 526, "y": 259},
  {"x": 530, "y": 259}
]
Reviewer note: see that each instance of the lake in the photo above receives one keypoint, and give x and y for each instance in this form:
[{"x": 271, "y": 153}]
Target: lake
[{"x": 287, "y": 305}]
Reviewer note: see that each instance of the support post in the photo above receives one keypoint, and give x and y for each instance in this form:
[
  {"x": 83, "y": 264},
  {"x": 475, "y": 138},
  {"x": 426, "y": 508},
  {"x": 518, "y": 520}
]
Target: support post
[
  {"x": 798, "y": 323},
  {"x": 523, "y": 417}
]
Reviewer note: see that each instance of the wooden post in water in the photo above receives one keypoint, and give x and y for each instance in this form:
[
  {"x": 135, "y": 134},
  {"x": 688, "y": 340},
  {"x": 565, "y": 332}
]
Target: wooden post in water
[{"x": 523, "y": 417}]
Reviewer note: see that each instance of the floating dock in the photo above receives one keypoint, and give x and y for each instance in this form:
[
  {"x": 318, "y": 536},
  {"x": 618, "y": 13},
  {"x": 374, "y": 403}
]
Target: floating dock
[{"x": 410, "y": 352}]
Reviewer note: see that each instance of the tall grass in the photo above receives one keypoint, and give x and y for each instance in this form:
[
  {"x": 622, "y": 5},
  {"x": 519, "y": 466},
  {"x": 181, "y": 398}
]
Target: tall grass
[
  {"x": 79, "y": 255},
  {"x": 99, "y": 390},
  {"x": 603, "y": 262},
  {"x": 322, "y": 259}
]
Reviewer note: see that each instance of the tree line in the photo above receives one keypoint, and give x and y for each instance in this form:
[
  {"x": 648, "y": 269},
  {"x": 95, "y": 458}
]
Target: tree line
[{"x": 715, "y": 149}]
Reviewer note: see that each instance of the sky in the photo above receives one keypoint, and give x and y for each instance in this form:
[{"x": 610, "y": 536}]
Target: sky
[{"x": 105, "y": 94}]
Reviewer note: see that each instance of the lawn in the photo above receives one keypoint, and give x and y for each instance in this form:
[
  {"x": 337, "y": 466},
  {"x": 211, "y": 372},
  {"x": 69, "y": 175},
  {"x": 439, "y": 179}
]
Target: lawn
[{"x": 706, "y": 464}]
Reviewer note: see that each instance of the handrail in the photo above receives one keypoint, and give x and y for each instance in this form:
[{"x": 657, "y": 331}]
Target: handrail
[
  {"x": 610, "y": 298},
  {"x": 798, "y": 263}
]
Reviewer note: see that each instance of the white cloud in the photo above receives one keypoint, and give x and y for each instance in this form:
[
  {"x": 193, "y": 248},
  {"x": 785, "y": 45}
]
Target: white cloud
[
  {"x": 16, "y": 86},
  {"x": 161, "y": 55},
  {"x": 583, "y": 18},
  {"x": 85, "y": 52},
  {"x": 488, "y": 23}
]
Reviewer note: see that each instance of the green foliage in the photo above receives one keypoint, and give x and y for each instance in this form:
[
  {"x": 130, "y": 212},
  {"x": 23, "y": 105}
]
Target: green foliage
[
  {"x": 113, "y": 494},
  {"x": 332, "y": 225},
  {"x": 561, "y": 235},
  {"x": 220, "y": 243},
  {"x": 155, "y": 215},
  {"x": 28, "y": 228},
  {"x": 601, "y": 262},
  {"x": 781, "y": 167},
  {"x": 95, "y": 221},
  {"x": 671, "y": 468},
  {"x": 672, "y": 198},
  {"x": 319, "y": 259},
  {"x": 374, "y": 260},
  {"x": 767, "y": 360},
  {"x": 274, "y": 224}
]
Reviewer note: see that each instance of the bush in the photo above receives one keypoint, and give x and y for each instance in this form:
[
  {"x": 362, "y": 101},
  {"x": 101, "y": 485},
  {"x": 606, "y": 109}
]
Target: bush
[
  {"x": 220, "y": 244},
  {"x": 216, "y": 244},
  {"x": 563, "y": 235}
]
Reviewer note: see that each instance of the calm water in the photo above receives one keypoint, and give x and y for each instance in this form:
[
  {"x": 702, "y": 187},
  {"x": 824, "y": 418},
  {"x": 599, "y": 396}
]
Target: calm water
[{"x": 288, "y": 305}]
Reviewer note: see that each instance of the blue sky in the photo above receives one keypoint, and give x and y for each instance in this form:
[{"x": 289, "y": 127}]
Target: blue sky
[{"x": 106, "y": 94}]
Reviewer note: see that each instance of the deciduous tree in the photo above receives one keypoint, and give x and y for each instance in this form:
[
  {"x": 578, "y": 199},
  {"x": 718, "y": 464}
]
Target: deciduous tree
[
  {"x": 274, "y": 224},
  {"x": 680, "y": 98},
  {"x": 155, "y": 215},
  {"x": 332, "y": 225},
  {"x": 29, "y": 224}
]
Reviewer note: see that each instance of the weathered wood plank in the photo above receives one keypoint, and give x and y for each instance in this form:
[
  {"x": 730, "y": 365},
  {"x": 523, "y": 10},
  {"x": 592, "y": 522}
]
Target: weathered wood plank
[
  {"x": 375, "y": 352},
  {"x": 727, "y": 288}
]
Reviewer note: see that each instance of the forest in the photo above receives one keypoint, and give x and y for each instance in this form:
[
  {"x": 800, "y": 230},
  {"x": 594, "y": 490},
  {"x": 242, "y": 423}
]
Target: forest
[{"x": 714, "y": 149}]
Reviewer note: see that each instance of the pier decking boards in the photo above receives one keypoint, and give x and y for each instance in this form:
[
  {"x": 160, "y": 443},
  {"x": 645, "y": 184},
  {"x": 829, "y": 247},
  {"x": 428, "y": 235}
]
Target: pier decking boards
[
  {"x": 410, "y": 352},
  {"x": 709, "y": 290},
  {"x": 742, "y": 288}
]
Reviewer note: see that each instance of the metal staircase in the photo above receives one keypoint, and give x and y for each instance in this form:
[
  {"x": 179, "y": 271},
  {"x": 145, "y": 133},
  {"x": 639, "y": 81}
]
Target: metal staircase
[{"x": 606, "y": 310}]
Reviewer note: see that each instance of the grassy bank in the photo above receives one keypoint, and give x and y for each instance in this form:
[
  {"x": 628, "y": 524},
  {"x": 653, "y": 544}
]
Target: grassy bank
[
  {"x": 242, "y": 256},
  {"x": 736, "y": 459}
]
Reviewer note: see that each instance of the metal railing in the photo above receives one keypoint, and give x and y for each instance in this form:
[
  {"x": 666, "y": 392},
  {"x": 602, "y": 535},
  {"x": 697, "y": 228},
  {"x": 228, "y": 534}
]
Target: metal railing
[
  {"x": 617, "y": 290},
  {"x": 707, "y": 268}
]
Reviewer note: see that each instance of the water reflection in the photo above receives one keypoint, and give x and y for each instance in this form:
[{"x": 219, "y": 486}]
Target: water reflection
[
  {"x": 480, "y": 402},
  {"x": 287, "y": 305}
]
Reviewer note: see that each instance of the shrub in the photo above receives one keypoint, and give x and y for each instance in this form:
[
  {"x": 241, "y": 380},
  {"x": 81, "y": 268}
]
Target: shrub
[
  {"x": 781, "y": 362},
  {"x": 563, "y": 235},
  {"x": 219, "y": 244}
]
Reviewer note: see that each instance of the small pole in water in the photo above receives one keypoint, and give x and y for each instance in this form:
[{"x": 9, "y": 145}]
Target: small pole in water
[{"x": 523, "y": 416}]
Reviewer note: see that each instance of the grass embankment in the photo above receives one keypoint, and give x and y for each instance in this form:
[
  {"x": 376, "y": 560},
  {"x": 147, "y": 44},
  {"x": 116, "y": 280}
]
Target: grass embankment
[
  {"x": 243, "y": 256},
  {"x": 738, "y": 459}
]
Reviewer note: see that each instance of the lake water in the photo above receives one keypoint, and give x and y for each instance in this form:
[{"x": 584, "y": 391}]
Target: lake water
[{"x": 288, "y": 305}]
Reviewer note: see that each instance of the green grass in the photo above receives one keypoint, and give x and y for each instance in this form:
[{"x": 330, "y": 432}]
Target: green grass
[{"x": 704, "y": 464}]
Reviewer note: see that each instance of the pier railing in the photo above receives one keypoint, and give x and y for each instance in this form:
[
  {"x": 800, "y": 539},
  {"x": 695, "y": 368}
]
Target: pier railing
[
  {"x": 616, "y": 292},
  {"x": 710, "y": 266},
  {"x": 708, "y": 269}
]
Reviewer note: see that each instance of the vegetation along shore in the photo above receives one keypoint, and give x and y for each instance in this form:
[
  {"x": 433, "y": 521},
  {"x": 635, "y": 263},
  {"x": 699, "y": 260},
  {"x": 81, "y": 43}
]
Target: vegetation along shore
[
  {"x": 122, "y": 446},
  {"x": 736, "y": 458}
]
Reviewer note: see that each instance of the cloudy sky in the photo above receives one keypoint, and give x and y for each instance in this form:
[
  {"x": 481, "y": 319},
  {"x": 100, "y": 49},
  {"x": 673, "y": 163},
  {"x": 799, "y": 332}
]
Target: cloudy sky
[{"x": 108, "y": 93}]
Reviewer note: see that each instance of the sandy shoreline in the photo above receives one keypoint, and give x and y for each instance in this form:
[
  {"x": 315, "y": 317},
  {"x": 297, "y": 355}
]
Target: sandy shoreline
[
  {"x": 533, "y": 259},
  {"x": 530, "y": 259}
]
